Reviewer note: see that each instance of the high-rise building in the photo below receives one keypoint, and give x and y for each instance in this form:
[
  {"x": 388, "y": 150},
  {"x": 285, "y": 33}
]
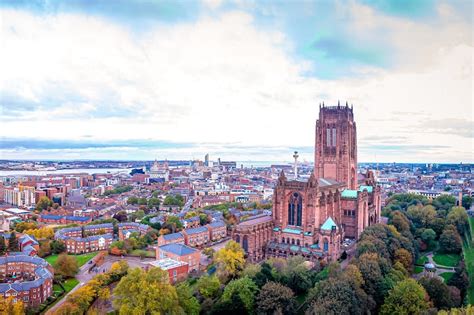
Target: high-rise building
[{"x": 311, "y": 218}]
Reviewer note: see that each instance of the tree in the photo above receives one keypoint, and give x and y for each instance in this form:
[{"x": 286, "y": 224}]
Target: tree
[
  {"x": 466, "y": 202},
  {"x": 45, "y": 248},
  {"x": 66, "y": 266},
  {"x": 404, "y": 257},
  {"x": 146, "y": 292},
  {"x": 438, "y": 291},
  {"x": 3, "y": 246},
  {"x": 230, "y": 260},
  {"x": 153, "y": 202},
  {"x": 264, "y": 275},
  {"x": 208, "y": 286},
  {"x": 369, "y": 267},
  {"x": 407, "y": 297},
  {"x": 121, "y": 216},
  {"x": 104, "y": 295},
  {"x": 43, "y": 203},
  {"x": 421, "y": 216},
  {"x": 233, "y": 306},
  {"x": 186, "y": 300},
  {"x": 82, "y": 297},
  {"x": 458, "y": 217},
  {"x": 22, "y": 226},
  {"x": 275, "y": 298},
  {"x": 203, "y": 219},
  {"x": 173, "y": 223},
  {"x": 57, "y": 246},
  {"x": 428, "y": 236},
  {"x": 13, "y": 243},
  {"x": 450, "y": 241},
  {"x": 8, "y": 306},
  {"x": 460, "y": 279},
  {"x": 400, "y": 221},
  {"x": 245, "y": 288}
]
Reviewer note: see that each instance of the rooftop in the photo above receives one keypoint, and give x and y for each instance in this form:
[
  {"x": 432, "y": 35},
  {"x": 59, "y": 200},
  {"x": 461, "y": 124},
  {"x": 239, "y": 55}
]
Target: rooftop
[
  {"x": 178, "y": 249},
  {"x": 167, "y": 263}
]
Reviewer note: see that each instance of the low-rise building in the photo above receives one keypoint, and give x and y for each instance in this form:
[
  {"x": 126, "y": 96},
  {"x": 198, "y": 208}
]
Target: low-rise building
[
  {"x": 180, "y": 252},
  {"x": 196, "y": 237},
  {"x": 177, "y": 270}
]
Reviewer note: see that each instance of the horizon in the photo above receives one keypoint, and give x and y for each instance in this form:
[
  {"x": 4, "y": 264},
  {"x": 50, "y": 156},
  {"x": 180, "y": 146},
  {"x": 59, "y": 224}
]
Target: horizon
[{"x": 130, "y": 80}]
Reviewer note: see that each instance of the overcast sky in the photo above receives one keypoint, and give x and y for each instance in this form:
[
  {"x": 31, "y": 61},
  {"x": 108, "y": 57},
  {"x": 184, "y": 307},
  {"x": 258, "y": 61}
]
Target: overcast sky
[{"x": 242, "y": 80}]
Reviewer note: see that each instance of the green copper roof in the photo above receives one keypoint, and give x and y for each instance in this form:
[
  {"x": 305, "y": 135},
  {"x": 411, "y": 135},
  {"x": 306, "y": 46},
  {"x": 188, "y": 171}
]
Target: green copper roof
[
  {"x": 308, "y": 233},
  {"x": 349, "y": 193},
  {"x": 294, "y": 248},
  {"x": 315, "y": 246},
  {"x": 276, "y": 229},
  {"x": 292, "y": 231},
  {"x": 304, "y": 249},
  {"x": 328, "y": 224},
  {"x": 368, "y": 188}
]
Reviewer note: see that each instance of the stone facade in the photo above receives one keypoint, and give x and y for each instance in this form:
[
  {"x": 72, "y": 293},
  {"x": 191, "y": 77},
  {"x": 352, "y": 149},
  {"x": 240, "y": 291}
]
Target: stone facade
[{"x": 311, "y": 218}]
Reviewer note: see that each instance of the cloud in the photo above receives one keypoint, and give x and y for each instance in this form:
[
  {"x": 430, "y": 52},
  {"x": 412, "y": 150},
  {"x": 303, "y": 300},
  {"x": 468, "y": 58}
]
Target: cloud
[{"x": 229, "y": 79}]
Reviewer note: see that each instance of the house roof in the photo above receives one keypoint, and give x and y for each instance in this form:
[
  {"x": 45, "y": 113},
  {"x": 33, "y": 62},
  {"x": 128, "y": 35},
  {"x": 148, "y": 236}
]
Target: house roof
[
  {"x": 328, "y": 224},
  {"x": 173, "y": 236},
  {"x": 199, "y": 229},
  {"x": 178, "y": 249}
]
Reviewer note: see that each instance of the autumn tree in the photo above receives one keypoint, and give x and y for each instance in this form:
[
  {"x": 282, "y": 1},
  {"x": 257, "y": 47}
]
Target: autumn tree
[
  {"x": 230, "y": 260},
  {"x": 43, "y": 203},
  {"x": 146, "y": 292},
  {"x": 8, "y": 306},
  {"x": 22, "y": 226},
  {"x": 404, "y": 257},
  {"x": 275, "y": 298},
  {"x": 57, "y": 246},
  {"x": 66, "y": 266},
  {"x": 407, "y": 297}
]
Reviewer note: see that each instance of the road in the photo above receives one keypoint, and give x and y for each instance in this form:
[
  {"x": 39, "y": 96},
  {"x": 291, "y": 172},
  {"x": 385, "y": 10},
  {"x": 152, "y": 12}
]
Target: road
[{"x": 84, "y": 276}]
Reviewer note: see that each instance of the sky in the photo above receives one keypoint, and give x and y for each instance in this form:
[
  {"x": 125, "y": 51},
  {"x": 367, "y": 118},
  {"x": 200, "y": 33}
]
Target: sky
[{"x": 241, "y": 80}]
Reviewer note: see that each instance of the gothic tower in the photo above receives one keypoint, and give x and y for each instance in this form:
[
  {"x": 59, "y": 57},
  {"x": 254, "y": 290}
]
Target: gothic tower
[{"x": 336, "y": 145}]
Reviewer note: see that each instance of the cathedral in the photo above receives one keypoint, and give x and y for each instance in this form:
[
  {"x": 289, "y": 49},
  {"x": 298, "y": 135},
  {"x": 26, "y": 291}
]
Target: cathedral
[{"x": 312, "y": 218}]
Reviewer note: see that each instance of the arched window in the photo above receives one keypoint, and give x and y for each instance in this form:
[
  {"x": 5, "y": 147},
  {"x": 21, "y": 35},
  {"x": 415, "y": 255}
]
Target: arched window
[
  {"x": 295, "y": 210},
  {"x": 298, "y": 242},
  {"x": 293, "y": 241},
  {"x": 326, "y": 245},
  {"x": 237, "y": 238},
  {"x": 245, "y": 243}
]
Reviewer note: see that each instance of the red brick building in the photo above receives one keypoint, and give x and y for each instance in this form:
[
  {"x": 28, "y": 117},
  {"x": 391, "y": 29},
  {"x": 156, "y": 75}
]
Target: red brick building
[
  {"x": 311, "y": 218},
  {"x": 181, "y": 253},
  {"x": 177, "y": 270},
  {"x": 26, "y": 278}
]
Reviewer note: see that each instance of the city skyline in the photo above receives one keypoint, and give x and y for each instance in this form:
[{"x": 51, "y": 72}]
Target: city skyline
[{"x": 238, "y": 80}]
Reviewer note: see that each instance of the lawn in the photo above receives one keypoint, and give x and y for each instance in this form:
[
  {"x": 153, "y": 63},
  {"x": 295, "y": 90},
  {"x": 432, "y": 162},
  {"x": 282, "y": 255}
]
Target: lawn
[
  {"x": 418, "y": 269},
  {"x": 468, "y": 250},
  {"x": 139, "y": 252},
  {"x": 69, "y": 284},
  {"x": 446, "y": 276},
  {"x": 422, "y": 260},
  {"x": 81, "y": 259},
  {"x": 449, "y": 260}
]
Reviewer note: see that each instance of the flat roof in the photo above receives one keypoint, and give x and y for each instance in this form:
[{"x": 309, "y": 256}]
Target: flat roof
[{"x": 167, "y": 263}]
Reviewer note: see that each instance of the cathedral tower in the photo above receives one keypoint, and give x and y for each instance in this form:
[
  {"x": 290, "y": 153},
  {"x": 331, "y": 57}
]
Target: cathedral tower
[{"x": 336, "y": 145}]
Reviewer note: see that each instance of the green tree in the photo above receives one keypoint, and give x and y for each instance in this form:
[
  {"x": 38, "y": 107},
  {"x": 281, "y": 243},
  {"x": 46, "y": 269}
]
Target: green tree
[
  {"x": 450, "y": 241},
  {"x": 3, "y": 246},
  {"x": 428, "y": 236},
  {"x": 189, "y": 304},
  {"x": 57, "y": 246},
  {"x": 208, "y": 286},
  {"x": 400, "y": 221},
  {"x": 466, "y": 202},
  {"x": 146, "y": 292},
  {"x": 173, "y": 223},
  {"x": 66, "y": 266},
  {"x": 275, "y": 298},
  {"x": 13, "y": 243},
  {"x": 132, "y": 200},
  {"x": 245, "y": 288},
  {"x": 458, "y": 217},
  {"x": 421, "y": 216},
  {"x": 43, "y": 203},
  {"x": 438, "y": 291},
  {"x": 407, "y": 297}
]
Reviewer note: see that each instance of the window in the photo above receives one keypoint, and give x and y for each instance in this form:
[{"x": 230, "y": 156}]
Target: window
[
  {"x": 295, "y": 205},
  {"x": 333, "y": 137}
]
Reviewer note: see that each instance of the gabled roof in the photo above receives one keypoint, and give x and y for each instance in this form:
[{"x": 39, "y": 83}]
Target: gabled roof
[{"x": 328, "y": 224}]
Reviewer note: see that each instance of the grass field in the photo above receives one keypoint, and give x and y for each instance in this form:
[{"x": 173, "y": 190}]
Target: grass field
[
  {"x": 146, "y": 253},
  {"x": 69, "y": 284},
  {"x": 81, "y": 259},
  {"x": 446, "y": 276},
  {"x": 468, "y": 250},
  {"x": 450, "y": 260},
  {"x": 422, "y": 260}
]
